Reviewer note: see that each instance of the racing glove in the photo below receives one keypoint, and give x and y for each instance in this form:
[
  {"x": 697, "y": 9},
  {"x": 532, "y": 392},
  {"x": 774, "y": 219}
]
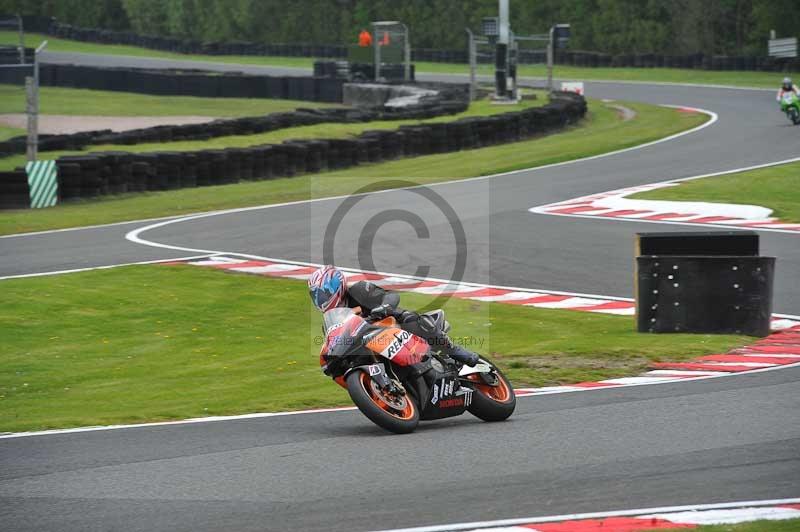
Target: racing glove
[{"x": 382, "y": 311}]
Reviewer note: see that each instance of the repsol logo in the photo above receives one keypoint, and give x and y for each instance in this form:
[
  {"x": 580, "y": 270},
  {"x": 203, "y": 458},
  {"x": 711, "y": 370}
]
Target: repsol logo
[{"x": 397, "y": 344}]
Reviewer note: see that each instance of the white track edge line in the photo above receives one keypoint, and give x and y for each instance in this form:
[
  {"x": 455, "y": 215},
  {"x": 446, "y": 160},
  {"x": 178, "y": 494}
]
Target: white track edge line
[
  {"x": 594, "y": 515},
  {"x": 539, "y": 209},
  {"x": 106, "y": 267},
  {"x": 190, "y": 421},
  {"x": 258, "y": 415},
  {"x": 691, "y": 224},
  {"x": 134, "y": 236}
]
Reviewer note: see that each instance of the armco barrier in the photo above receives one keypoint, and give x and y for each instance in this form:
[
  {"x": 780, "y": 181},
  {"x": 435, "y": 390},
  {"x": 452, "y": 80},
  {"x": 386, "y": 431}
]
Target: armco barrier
[
  {"x": 451, "y": 99},
  {"x": 104, "y": 173},
  {"x": 52, "y": 27}
]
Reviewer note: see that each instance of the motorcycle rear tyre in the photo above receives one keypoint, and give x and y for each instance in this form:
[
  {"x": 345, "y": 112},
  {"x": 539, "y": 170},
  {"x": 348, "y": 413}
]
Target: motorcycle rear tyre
[
  {"x": 489, "y": 408},
  {"x": 366, "y": 403}
]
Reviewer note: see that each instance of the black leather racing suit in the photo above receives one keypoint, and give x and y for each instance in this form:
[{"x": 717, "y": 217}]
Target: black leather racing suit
[{"x": 370, "y": 297}]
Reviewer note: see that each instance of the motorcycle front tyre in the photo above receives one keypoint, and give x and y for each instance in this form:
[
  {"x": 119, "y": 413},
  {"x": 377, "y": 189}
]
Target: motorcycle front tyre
[{"x": 379, "y": 411}]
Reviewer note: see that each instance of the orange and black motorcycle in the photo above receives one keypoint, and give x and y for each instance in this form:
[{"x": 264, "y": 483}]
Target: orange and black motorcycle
[{"x": 397, "y": 379}]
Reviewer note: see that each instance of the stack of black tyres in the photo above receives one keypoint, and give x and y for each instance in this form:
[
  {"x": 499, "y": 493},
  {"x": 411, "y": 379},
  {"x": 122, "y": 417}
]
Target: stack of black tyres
[{"x": 14, "y": 190}]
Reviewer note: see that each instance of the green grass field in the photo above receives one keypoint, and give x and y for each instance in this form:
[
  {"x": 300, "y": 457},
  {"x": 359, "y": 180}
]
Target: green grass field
[
  {"x": 776, "y": 187},
  {"x": 142, "y": 343},
  {"x": 82, "y": 102},
  {"x": 789, "y": 525},
  {"x": 9, "y": 132},
  {"x": 671, "y": 75},
  {"x": 601, "y": 132}
]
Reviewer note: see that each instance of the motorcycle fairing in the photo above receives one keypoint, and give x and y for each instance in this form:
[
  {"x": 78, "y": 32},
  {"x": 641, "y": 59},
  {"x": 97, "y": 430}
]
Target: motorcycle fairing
[
  {"x": 445, "y": 396},
  {"x": 401, "y": 347}
]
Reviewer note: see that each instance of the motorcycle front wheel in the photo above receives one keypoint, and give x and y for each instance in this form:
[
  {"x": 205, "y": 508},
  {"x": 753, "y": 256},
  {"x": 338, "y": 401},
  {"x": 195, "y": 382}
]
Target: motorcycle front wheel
[
  {"x": 395, "y": 414},
  {"x": 493, "y": 400}
]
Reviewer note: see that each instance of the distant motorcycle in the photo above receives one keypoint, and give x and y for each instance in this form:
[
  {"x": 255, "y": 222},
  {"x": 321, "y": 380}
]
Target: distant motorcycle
[
  {"x": 790, "y": 105},
  {"x": 396, "y": 379}
]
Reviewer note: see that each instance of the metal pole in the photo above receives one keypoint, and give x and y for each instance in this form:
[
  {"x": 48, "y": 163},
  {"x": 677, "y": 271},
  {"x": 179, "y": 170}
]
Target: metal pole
[
  {"x": 21, "y": 47},
  {"x": 502, "y": 37},
  {"x": 501, "y": 54},
  {"x": 512, "y": 67},
  {"x": 473, "y": 59},
  {"x": 30, "y": 109},
  {"x": 407, "y": 58},
  {"x": 376, "y": 53},
  {"x": 550, "y": 61}
]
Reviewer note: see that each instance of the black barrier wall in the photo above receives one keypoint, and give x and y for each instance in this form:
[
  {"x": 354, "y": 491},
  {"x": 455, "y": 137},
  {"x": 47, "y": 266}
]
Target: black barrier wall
[
  {"x": 703, "y": 282},
  {"x": 52, "y": 27},
  {"x": 105, "y": 173},
  {"x": 183, "y": 82},
  {"x": 716, "y": 294}
]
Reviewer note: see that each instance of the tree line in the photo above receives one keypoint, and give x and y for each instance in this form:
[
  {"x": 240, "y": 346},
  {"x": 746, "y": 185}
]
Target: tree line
[{"x": 723, "y": 27}]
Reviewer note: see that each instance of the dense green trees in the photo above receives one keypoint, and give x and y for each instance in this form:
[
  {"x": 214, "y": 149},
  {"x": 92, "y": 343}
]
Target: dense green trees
[{"x": 734, "y": 27}]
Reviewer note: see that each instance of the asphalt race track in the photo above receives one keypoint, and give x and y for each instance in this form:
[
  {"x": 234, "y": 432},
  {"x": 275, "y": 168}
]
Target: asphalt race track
[{"x": 715, "y": 440}]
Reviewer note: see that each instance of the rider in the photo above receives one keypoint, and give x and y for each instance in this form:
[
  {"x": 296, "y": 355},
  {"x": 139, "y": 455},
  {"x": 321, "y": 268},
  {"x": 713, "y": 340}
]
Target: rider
[
  {"x": 787, "y": 86},
  {"x": 328, "y": 289}
]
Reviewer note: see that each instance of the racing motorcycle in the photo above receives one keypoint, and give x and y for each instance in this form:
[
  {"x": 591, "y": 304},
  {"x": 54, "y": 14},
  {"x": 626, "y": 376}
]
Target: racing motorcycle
[
  {"x": 396, "y": 378},
  {"x": 790, "y": 105}
]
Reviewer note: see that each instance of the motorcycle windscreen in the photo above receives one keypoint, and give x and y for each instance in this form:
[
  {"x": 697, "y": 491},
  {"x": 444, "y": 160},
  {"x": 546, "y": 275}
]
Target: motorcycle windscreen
[
  {"x": 341, "y": 326},
  {"x": 399, "y": 346}
]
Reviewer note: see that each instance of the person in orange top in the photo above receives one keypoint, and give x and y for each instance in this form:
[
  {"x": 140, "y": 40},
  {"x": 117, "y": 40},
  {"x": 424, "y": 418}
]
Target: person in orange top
[
  {"x": 385, "y": 40},
  {"x": 364, "y": 39}
]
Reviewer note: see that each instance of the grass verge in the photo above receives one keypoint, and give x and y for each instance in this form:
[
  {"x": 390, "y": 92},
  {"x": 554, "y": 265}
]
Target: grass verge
[
  {"x": 776, "y": 187},
  {"x": 602, "y": 131},
  {"x": 9, "y": 132},
  {"x": 789, "y": 525},
  {"x": 670, "y": 75},
  {"x": 142, "y": 343},
  {"x": 84, "y": 102}
]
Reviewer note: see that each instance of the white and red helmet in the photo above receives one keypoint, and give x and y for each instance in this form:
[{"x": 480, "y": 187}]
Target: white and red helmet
[{"x": 327, "y": 287}]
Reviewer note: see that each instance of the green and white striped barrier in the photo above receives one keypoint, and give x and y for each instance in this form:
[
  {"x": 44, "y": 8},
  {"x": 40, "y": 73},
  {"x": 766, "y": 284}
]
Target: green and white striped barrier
[{"x": 43, "y": 183}]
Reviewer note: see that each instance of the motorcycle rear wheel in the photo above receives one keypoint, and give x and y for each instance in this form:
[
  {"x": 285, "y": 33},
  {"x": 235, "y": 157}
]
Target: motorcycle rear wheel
[
  {"x": 492, "y": 403},
  {"x": 378, "y": 408}
]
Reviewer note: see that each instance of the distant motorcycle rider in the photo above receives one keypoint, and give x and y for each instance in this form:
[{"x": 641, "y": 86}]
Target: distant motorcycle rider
[
  {"x": 328, "y": 289},
  {"x": 787, "y": 86}
]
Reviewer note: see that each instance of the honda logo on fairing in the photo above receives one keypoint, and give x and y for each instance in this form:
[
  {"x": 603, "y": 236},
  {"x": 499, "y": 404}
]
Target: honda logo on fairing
[{"x": 450, "y": 403}]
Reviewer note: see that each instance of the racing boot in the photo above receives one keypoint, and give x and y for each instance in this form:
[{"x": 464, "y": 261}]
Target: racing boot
[{"x": 456, "y": 352}]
